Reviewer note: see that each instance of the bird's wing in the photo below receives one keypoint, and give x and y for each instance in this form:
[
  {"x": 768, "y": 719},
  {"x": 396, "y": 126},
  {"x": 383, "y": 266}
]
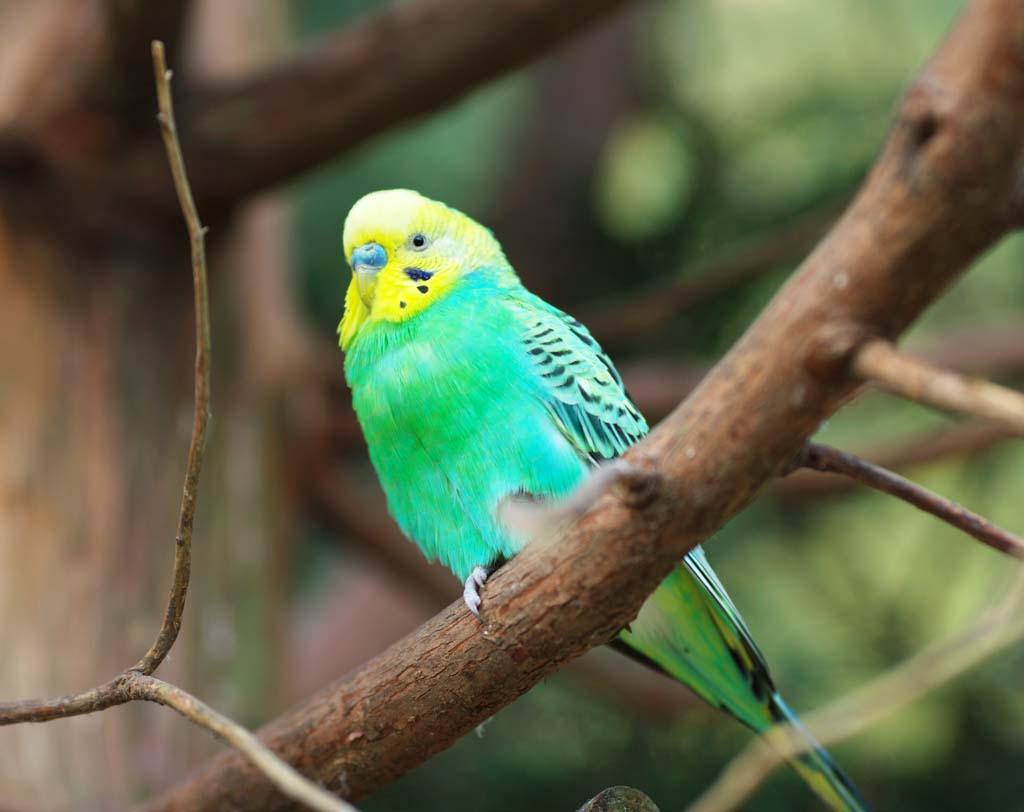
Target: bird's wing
[{"x": 583, "y": 391}]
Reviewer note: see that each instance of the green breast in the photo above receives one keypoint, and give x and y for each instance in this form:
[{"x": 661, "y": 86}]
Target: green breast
[{"x": 455, "y": 421}]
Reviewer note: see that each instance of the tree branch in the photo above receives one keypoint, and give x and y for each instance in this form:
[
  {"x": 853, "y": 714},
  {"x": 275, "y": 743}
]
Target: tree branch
[
  {"x": 388, "y": 68},
  {"x": 905, "y": 238},
  {"x": 995, "y": 629},
  {"x": 833, "y": 461},
  {"x": 950, "y": 441},
  {"x": 201, "y": 415},
  {"x": 880, "y": 363}
]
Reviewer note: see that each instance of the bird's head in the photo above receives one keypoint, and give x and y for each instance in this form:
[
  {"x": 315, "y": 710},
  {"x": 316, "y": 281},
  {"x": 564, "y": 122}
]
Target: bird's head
[{"x": 407, "y": 252}]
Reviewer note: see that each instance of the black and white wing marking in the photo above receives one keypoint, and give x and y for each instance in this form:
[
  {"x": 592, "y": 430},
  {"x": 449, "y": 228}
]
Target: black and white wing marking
[{"x": 584, "y": 392}]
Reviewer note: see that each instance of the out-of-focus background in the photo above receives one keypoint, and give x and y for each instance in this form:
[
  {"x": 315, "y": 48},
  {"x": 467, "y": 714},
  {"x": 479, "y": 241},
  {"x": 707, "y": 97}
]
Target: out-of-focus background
[{"x": 658, "y": 176}]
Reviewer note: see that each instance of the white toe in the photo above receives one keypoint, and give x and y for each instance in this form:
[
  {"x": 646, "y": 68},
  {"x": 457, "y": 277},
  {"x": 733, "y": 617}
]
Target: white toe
[{"x": 471, "y": 591}]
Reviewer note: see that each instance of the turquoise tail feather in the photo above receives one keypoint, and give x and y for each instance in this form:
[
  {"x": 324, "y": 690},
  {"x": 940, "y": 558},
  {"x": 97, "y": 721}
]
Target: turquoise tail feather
[{"x": 690, "y": 629}]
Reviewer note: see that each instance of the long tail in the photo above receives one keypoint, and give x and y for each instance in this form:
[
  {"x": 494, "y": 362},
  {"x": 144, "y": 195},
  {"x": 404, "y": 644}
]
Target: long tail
[
  {"x": 690, "y": 629},
  {"x": 818, "y": 768}
]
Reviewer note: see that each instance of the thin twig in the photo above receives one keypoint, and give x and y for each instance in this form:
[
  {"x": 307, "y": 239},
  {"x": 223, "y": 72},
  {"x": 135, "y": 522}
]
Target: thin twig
[
  {"x": 284, "y": 776},
  {"x": 865, "y": 707},
  {"x": 830, "y": 460},
  {"x": 882, "y": 364},
  {"x": 954, "y": 440},
  {"x": 196, "y": 235}
]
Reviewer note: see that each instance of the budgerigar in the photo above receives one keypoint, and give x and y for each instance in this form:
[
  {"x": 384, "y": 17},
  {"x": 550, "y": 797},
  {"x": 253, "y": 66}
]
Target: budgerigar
[{"x": 471, "y": 391}]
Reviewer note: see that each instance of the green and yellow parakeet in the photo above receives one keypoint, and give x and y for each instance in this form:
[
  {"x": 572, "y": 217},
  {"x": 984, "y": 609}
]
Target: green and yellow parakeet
[{"x": 472, "y": 391}]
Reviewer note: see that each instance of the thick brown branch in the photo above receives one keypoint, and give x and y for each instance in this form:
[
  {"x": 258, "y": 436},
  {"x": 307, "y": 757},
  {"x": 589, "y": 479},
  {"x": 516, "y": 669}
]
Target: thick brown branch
[
  {"x": 908, "y": 234},
  {"x": 880, "y": 363},
  {"x": 390, "y": 67},
  {"x": 833, "y": 461}
]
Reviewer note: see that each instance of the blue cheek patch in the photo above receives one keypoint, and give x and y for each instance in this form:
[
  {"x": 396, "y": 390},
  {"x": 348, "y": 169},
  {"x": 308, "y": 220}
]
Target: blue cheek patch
[{"x": 418, "y": 274}]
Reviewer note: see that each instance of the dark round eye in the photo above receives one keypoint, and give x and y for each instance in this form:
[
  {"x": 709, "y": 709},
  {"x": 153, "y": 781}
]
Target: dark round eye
[{"x": 419, "y": 241}]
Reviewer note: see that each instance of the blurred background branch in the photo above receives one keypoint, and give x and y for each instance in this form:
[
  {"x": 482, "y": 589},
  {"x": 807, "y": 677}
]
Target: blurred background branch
[{"x": 377, "y": 73}]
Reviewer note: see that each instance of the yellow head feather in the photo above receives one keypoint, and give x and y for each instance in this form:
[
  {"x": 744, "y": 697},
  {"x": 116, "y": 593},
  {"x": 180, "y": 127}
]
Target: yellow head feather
[{"x": 427, "y": 248}]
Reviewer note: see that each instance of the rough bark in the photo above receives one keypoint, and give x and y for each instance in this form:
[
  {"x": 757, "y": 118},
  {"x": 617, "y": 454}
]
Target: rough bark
[{"x": 945, "y": 187}]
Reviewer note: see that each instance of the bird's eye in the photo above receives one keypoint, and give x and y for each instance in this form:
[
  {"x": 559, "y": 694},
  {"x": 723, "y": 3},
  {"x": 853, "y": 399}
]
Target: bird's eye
[{"x": 419, "y": 241}]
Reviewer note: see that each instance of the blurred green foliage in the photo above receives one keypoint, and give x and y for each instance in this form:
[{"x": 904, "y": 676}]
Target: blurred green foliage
[{"x": 749, "y": 113}]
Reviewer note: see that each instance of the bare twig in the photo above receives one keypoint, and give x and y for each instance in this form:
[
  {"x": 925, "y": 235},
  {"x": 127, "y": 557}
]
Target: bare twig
[
  {"x": 865, "y": 707},
  {"x": 882, "y": 364},
  {"x": 955, "y": 440},
  {"x": 833, "y": 461},
  {"x": 900, "y": 245},
  {"x": 284, "y": 776},
  {"x": 196, "y": 235}
]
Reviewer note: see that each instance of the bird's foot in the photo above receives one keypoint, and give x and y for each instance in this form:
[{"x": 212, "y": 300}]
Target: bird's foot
[{"x": 471, "y": 591}]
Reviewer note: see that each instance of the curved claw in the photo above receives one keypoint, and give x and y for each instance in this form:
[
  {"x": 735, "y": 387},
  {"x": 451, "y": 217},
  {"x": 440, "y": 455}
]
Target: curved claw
[{"x": 471, "y": 592}]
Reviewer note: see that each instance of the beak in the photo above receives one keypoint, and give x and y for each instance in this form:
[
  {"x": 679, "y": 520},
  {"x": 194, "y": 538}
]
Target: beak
[{"x": 367, "y": 262}]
